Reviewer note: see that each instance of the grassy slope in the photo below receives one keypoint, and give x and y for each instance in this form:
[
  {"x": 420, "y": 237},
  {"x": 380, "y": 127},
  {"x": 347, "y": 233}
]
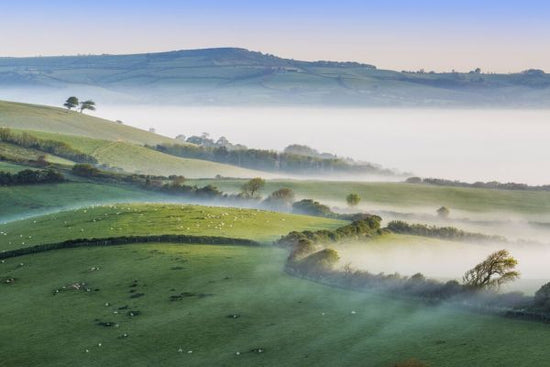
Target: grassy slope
[
  {"x": 295, "y": 322},
  {"x": 409, "y": 195},
  {"x": 13, "y": 168},
  {"x": 138, "y": 159},
  {"x": 111, "y": 143},
  {"x": 58, "y": 120},
  {"x": 17, "y": 153},
  {"x": 146, "y": 219},
  {"x": 35, "y": 199}
]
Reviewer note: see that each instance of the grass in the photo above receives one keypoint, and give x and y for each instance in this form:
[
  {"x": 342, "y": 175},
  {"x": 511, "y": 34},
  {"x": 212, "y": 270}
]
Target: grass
[
  {"x": 139, "y": 159},
  {"x": 12, "y": 168},
  {"x": 150, "y": 219},
  {"x": 58, "y": 120},
  {"x": 408, "y": 195},
  {"x": 18, "y": 153},
  {"x": 294, "y": 322},
  {"x": 30, "y": 200}
]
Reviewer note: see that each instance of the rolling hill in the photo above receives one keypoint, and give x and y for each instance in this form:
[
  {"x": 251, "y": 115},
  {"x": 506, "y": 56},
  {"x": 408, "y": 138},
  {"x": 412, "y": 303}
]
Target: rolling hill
[
  {"x": 112, "y": 144},
  {"x": 239, "y": 76},
  {"x": 57, "y": 120},
  {"x": 152, "y": 219}
]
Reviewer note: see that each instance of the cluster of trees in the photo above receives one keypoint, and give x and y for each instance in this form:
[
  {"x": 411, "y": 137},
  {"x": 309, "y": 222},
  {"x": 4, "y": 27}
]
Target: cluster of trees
[
  {"x": 58, "y": 148},
  {"x": 304, "y": 242},
  {"x": 73, "y": 102},
  {"x": 448, "y": 233},
  {"x": 478, "y": 184},
  {"x": 311, "y": 207},
  {"x": 30, "y": 177},
  {"x": 267, "y": 160}
]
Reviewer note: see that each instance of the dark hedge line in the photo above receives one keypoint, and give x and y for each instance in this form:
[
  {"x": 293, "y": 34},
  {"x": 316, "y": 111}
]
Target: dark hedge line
[
  {"x": 30, "y": 177},
  {"x": 366, "y": 227},
  {"x": 484, "y": 185},
  {"x": 448, "y": 233},
  {"x": 124, "y": 240},
  {"x": 268, "y": 160}
]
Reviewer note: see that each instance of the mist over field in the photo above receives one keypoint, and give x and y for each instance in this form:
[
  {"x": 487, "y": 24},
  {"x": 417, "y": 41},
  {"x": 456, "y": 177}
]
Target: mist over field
[
  {"x": 469, "y": 145},
  {"x": 445, "y": 260}
]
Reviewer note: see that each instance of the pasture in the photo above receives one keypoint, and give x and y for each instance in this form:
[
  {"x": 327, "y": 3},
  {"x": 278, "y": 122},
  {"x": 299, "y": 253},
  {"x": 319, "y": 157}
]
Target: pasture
[
  {"x": 194, "y": 305},
  {"x": 150, "y": 219}
]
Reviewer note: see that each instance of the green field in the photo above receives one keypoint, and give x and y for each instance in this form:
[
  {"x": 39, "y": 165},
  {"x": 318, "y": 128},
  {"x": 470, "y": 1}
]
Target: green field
[
  {"x": 150, "y": 219},
  {"x": 135, "y": 158},
  {"x": 12, "y": 168},
  {"x": 293, "y": 322},
  {"x": 17, "y": 153},
  {"x": 35, "y": 199},
  {"x": 57, "y": 120},
  {"x": 407, "y": 196}
]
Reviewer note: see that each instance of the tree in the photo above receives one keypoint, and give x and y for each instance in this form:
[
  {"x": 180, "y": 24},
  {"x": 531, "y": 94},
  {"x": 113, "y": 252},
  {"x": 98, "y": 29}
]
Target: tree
[
  {"x": 353, "y": 199},
  {"x": 252, "y": 187},
  {"x": 496, "y": 270},
  {"x": 71, "y": 102},
  {"x": 87, "y": 105},
  {"x": 443, "y": 212},
  {"x": 284, "y": 195},
  {"x": 320, "y": 261}
]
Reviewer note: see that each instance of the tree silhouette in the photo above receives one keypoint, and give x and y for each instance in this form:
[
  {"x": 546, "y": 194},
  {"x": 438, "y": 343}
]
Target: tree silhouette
[
  {"x": 71, "y": 102},
  {"x": 497, "y": 269},
  {"x": 87, "y": 105}
]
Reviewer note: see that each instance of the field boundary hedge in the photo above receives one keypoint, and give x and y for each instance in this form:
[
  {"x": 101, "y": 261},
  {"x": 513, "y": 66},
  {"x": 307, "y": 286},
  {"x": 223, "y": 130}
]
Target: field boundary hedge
[{"x": 125, "y": 240}]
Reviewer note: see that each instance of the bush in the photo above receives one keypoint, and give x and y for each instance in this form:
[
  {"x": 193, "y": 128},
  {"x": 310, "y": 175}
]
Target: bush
[
  {"x": 319, "y": 262},
  {"x": 86, "y": 170},
  {"x": 310, "y": 207},
  {"x": 30, "y": 177},
  {"x": 542, "y": 297}
]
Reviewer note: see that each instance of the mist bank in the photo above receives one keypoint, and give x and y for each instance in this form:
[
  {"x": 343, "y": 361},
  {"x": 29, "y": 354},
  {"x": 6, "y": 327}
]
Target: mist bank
[
  {"x": 443, "y": 260},
  {"x": 466, "y": 145}
]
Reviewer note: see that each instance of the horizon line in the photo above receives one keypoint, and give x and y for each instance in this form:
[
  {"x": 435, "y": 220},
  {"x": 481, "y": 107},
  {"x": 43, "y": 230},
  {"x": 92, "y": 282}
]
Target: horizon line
[{"x": 421, "y": 70}]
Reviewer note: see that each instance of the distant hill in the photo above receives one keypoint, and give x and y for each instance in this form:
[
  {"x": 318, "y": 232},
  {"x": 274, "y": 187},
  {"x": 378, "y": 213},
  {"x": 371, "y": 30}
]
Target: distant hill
[{"x": 238, "y": 76}]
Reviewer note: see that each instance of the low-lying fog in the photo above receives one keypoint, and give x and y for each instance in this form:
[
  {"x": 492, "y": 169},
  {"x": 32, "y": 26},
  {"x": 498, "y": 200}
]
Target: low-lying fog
[
  {"x": 471, "y": 145},
  {"x": 444, "y": 260}
]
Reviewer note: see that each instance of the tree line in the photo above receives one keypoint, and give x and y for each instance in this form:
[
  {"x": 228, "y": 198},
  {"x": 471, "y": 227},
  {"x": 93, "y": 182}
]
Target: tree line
[
  {"x": 269, "y": 160},
  {"x": 447, "y": 233},
  {"x": 30, "y": 177},
  {"x": 57, "y": 148},
  {"x": 484, "y": 185}
]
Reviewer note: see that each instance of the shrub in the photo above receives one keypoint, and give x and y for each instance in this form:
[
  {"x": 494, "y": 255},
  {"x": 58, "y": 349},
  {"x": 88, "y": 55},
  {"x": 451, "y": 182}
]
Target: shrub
[
  {"x": 542, "y": 297},
  {"x": 310, "y": 207}
]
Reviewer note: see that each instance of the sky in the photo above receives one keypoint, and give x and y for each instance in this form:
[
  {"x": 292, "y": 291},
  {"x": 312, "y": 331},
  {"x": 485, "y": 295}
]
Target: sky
[{"x": 497, "y": 36}]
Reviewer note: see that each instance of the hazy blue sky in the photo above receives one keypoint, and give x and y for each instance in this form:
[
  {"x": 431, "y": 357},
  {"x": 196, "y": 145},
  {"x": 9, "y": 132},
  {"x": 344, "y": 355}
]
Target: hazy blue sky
[{"x": 432, "y": 34}]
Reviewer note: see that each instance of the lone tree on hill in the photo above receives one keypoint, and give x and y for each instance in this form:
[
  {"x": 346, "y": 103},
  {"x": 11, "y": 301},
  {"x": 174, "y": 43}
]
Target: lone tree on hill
[
  {"x": 443, "y": 212},
  {"x": 496, "y": 270},
  {"x": 353, "y": 199},
  {"x": 87, "y": 105},
  {"x": 252, "y": 187},
  {"x": 71, "y": 102}
]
